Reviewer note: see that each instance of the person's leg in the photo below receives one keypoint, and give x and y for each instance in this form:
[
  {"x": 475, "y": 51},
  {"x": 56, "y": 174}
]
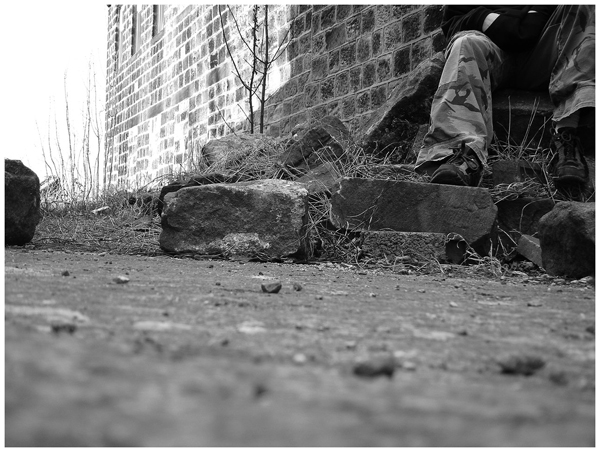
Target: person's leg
[
  {"x": 461, "y": 111},
  {"x": 564, "y": 61}
]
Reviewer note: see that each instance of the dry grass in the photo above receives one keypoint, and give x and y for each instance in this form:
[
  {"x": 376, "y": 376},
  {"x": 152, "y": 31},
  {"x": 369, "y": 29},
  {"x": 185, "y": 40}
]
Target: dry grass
[{"x": 122, "y": 229}]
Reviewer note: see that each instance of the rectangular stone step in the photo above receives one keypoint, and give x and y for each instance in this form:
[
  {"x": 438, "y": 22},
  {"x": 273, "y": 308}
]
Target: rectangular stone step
[{"x": 375, "y": 205}]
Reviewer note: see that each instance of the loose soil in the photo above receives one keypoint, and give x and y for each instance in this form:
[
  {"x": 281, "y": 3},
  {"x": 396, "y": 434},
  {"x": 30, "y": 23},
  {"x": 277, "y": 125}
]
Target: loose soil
[{"x": 184, "y": 352}]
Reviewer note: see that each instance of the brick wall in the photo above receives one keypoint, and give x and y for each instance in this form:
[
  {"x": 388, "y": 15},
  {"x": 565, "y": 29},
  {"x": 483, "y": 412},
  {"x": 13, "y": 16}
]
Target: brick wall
[{"x": 170, "y": 91}]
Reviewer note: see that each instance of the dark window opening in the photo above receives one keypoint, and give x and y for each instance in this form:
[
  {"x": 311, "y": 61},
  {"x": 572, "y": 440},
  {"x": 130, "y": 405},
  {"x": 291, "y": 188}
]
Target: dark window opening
[
  {"x": 136, "y": 30},
  {"x": 158, "y": 17}
]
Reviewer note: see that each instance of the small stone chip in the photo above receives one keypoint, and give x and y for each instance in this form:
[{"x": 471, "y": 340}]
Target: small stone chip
[
  {"x": 121, "y": 279},
  {"x": 65, "y": 273},
  {"x": 297, "y": 287},
  {"x": 273, "y": 287},
  {"x": 521, "y": 365}
]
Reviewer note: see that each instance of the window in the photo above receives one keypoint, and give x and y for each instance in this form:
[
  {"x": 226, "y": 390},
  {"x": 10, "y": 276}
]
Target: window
[
  {"x": 158, "y": 17},
  {"x": 136, "y": 29},
  {"x": 120, "y": 40}
]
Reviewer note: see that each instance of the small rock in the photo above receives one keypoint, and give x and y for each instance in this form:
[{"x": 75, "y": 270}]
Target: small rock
[
  {"x": 453, "y": 304},
  {"x": 65, "y": 273},
  {"x": 351, "y": 345},
  {"x": 521, "y": 364},
  {"x": 373, "y": 369},
  {"x": 273, "y": 287},
  {"x": 297, "y": 287},
  {"x": 121, "y": 279},
  {"x": 591, "y": 329},
  {"x": 421, "y": 290},
  {"x": 300, "y": 358},
  {"x": 534, "y": 303},
  {"x": 318, "y": 297},
  {"x": 372, "y": 295},
  {"x": 217, "y": 283},
  {"x": 64, "y": 328},
  {"x": 251, "y": 327}
]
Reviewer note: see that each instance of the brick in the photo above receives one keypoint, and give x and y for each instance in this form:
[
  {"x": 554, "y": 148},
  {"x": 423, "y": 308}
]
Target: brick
[
  {"x": 348, "y": 55},
  {"x": 419, "y": 246},
  {"x": 363, "y": 49},
  {"x": 370, "y": 204},
  {"x": 353, "y": 27},
  {"x": 342, "y": 11},
  {"x": 327, "y": 17},
  {"x": 392, "y": 36},
  {"x": 433, "y": 18},
  {"x": 363, "y": 102},
  {"x": 368, "y": 74},
  {"x": 335, "y": 37},
  {"x": 411, "y": 27},
  {"x": 401, "y": 61},
  {"x": 368, "y": 20}
]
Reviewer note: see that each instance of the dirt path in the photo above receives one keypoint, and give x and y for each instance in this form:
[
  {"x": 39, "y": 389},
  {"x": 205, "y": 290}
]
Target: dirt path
[{"x": 192, "y": 353}]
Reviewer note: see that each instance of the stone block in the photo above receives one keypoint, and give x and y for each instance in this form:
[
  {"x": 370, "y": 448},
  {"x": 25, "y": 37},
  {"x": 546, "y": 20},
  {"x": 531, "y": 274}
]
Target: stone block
[
  {"x": 529, "y": 247},
  {"x": 419, "y": 246},
  {"x": 567, "y": 237},
  {"x": 265, "y": 218},
  {"x": 525, "y": 115},
  {"x": 21, "y": 203},
  {"x": 374, "y": 204}
]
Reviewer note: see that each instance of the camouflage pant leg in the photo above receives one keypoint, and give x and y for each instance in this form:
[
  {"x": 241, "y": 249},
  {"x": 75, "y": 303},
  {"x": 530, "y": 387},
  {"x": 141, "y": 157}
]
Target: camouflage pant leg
[
  {"x": 462, "y": 105},
  {"x": 573, "y": 78}
]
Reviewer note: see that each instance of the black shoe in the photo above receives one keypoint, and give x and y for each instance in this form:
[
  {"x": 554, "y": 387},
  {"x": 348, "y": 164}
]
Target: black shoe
[
  {"x": 463, "y": 168},
  {"x": 568, "y": 165}
]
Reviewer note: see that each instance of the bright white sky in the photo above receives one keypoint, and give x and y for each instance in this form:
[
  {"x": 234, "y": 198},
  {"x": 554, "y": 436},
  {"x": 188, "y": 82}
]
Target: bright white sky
[{"x": 40, "y": 41}]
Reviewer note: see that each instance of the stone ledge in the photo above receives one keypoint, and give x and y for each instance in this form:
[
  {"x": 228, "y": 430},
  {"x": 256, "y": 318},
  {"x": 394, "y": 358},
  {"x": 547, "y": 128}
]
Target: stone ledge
[
  {"x": 376, "y": 205},
  {"x": 420, "y": 246}
]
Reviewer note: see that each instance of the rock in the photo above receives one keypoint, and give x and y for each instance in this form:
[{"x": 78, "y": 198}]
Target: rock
[
  {"x": 529, "y": 248},
  {"x": 322, "y": 141},
  {"x": 567, "y": 239},
  {"x": 521, "y": 365},
  {"x": 322, "y": 179},
  {"x": 261, "y": 218},
  {"x": 199, "y": 179},
  {"x": 525, "y": 114},
  {"x": 273, "y": 287},
  {"x": 420, "y": 246},
  {"x": 375, "y": 368},
  {"x": 121, "y": 279},
  {"x": 21, "y": 203},
  {"x": 397, "y": 121},
  {"x": 376, "y": 205}
]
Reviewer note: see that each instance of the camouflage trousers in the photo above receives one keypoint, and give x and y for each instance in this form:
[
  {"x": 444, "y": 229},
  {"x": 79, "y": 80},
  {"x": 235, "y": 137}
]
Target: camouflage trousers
[{"x": 562, "y": 62}]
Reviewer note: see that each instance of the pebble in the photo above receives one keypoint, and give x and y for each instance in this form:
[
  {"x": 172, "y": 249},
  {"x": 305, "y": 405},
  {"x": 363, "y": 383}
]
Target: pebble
[
  {"x": 297, "y": 287},
  {"x": 121, "y": 279},
  {"x": 65, "y": 273},
  {"x": 534, "y": 303},
  {"x": 273, "y": 287},
  {"x": 521, "y": 364},
  {"x": 373, "y": 369},
  {"x": 300, "y": 358},
  {"x": 453, "y": 304}
]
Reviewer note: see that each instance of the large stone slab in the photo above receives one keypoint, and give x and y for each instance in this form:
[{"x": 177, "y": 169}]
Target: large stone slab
[
  {"x": 21, "y": 203},
  {"x": 265, "y": 218},
  {"x": 373, "y": 204},
  {"x": 567, "y": 237}
]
